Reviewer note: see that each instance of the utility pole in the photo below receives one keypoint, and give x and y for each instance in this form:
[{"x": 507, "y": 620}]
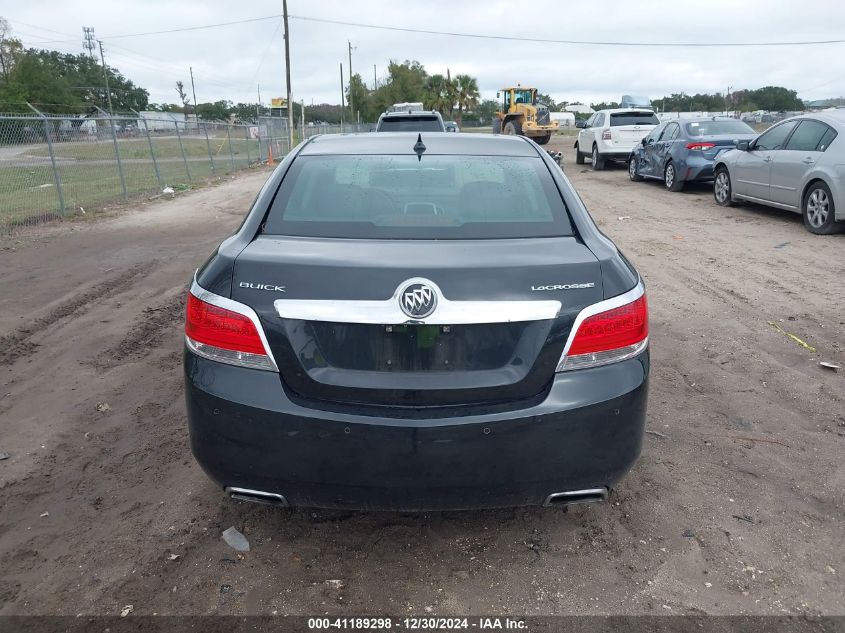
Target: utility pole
[
  {"x": 342, "y": 98},
  {"x": 375, "y": 78},
  {"x": 351, "y": 106},
  {"x": 194, "y": 91},
  {"x": 105, "y": 75},
  {"x": 88, "y": 42},
  {"x": 287, "y": 70},
  {"x": 258, "y": 105},
  {"x": 727, "y": 99}
]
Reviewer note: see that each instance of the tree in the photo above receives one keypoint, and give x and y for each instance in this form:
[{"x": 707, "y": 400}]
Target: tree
[
  {"x": 406, "y": 81},
  {"x": 486, "y": 110},
  {"x": 34, "y": 81},
  {"x": 438, "y": 94},
  {"x": 776, "y": 98},
  {"x": 217, "y": 111},
  {"x": 247, "y": 112},
  {"x": 9, "y": 48},
  {"x": 358, "y": 95},
  {"x": 466, "y": 94},
  {"x": 183, "y": 96},
  {"x": 63, "y": 82}
]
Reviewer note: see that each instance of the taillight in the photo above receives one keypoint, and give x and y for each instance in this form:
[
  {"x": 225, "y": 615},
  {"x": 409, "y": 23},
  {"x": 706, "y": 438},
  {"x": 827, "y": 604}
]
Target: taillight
[
  {"x": 605, "y": 136},
  {"x": 700, "y": 146},
  {"x": 608, "y": 332},
  {"x": 226, "y": 334}
]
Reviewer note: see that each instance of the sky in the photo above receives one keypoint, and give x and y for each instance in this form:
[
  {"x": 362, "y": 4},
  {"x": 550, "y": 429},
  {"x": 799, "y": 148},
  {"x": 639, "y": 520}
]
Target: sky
[{"x": 230, "y": 62}]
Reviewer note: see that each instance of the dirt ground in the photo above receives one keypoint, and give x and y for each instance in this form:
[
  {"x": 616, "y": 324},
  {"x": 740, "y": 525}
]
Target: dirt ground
[{"x": 735, "y": 507}]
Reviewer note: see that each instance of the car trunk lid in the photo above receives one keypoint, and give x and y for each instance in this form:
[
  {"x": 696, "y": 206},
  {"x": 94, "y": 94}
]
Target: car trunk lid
[
  {"x": 715, "y": 144},
  {"x": 488, "y": 353}
]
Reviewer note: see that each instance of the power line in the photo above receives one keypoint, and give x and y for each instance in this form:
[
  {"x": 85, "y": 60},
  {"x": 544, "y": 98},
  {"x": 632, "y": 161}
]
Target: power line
[
  {"x": 40, "y": 28},
  {"x": 199, "y": 27},
  {"x": 554, "y": 41},
  {"x": 270, "y": 43},
  {"x": 484, "y": 36}
]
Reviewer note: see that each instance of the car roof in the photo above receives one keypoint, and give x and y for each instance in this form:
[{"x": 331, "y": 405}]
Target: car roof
[
  {"x": 403, "y": 143},
  {"x": 835, "y": 118},
  {"x": 701, "y": 119},
  {"x": 618, "y": 110},
  {"x": 413, "y": 113}
]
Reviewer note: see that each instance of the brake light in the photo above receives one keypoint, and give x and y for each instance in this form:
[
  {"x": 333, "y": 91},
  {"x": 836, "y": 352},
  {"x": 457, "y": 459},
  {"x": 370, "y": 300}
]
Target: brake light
[
  {"x": 225, "y": 335},
  {"x": 603, "y": 336},
  {"x": 700, "y": 146},
  {"x": 605, "y": 136}
]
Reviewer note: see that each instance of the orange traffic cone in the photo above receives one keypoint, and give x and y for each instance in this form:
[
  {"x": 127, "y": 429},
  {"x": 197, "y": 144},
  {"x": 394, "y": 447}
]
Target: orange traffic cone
[{"x": 270, "y": 153}]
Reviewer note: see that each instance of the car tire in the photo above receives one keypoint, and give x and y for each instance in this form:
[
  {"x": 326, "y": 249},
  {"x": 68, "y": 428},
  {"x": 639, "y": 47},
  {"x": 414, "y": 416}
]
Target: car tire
[
  {"x": 722, "y": 189},
  {"x": 542, "y": 140},
  {"x": 670, "y": 178},
  {"x": 579, "y": 157},
  {"x": 634, "y": 169},
  {"x": 513, "y": 128},
  {"x": 819, "y": 211},
  {"x": 598, "y": 161}
]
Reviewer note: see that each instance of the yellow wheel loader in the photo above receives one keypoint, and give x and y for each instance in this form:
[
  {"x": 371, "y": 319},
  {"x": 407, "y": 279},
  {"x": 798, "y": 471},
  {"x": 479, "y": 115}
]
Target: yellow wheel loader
[{"x": 520, "y": 114}]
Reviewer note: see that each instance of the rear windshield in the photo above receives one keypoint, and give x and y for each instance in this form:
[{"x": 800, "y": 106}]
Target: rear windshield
[
  {"x": 401, "y": 197},
  {"x": 410, "y": 124},
  {"x": 633, "y": 118},
  {"x": 711, "y": 128}
]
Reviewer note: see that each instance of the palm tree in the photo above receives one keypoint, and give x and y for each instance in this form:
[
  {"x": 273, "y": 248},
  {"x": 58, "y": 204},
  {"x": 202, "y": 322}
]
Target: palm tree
[
  {"x": 466, "y": 94},
  {"x": 437, "y": 94}
]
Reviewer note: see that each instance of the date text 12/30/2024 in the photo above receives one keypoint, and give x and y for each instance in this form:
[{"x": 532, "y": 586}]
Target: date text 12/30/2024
[{"x": 418, "y": 624}]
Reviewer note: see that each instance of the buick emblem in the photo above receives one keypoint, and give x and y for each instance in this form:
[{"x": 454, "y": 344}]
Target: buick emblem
[{"x": 418, "y": 300}]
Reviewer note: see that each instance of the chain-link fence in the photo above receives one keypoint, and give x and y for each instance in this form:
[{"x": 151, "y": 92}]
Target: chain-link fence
[{"x": 56, "y": 166}]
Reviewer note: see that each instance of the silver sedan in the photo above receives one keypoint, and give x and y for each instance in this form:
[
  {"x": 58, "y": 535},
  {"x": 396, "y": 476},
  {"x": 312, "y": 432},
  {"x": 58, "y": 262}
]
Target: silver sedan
[{"x": 797, "y": 165}]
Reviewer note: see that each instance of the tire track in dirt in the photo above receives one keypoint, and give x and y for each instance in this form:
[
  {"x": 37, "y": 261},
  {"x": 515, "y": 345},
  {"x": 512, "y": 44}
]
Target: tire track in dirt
[
  {"x": 146, "y": 333},
  {"x": 19, "y": 344}
]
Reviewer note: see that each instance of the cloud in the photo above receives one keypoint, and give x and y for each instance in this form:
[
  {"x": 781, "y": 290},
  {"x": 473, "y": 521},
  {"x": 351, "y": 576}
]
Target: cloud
[{"x": 230, "y": 62}]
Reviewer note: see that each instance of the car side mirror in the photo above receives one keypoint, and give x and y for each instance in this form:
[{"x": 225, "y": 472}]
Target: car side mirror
[
  {"x": 581, "y": 124},
  {"x": 743, "y": 146},
  {"x": 644, "y": 141}
]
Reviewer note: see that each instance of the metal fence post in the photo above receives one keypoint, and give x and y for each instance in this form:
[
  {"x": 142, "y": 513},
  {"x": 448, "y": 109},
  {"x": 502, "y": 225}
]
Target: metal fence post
[
  {"x": 208, "y": 145},
  {"x": 182, "y": 149},
  {"x": 56, "y": 176},
  {"x": 231, "y": 153},
  {"x": 246, "y": 136},
  {"x": 117, "y": 154},
  {"x": 152, "y": 152}
]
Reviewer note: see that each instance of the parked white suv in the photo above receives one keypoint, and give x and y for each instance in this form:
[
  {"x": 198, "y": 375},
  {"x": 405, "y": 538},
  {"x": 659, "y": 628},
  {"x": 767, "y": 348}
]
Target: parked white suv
[{"x": 612, "y": 134}]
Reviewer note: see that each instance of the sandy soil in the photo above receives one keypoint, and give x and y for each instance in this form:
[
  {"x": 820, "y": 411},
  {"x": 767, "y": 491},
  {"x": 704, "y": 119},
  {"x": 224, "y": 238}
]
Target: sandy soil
[{"x": 736, "y": 505}]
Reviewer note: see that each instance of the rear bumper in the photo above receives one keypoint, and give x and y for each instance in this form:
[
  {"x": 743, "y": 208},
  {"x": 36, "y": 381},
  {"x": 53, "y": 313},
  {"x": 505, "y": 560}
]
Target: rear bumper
[
  {"x": 534, "y": 129},
  {"x": 615, "y": 154},
  {"x": 696, "y": 168},
  {"x": 246, "y": 433}
]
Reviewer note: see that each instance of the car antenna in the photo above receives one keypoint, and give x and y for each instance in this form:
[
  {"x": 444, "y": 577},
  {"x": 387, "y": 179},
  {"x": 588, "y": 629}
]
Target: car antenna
[{"x": 419, "y": 147}]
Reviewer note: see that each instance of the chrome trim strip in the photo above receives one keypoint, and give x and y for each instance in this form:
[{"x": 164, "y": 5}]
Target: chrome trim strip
[
  {"x": 255, "y": 496},
  {"x": 774, "y": 186},
  {"x": 633, "y": 350},
  {"x": 228, "y": 304},
  {"x": 593, "y": 495},
  {"x": 602, "y": 306},
  {"x": 769, "y": 203},
  {"x": 388, "y": 312}
]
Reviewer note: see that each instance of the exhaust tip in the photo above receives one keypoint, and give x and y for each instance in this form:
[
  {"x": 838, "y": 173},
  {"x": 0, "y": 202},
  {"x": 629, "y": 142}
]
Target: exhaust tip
[
  {"x": 256, "y": 496},
  {"x": 571, "y": 497}
]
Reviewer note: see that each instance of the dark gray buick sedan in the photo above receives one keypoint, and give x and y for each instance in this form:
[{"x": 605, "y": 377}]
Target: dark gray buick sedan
[{"x": 417, "y": 321}]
